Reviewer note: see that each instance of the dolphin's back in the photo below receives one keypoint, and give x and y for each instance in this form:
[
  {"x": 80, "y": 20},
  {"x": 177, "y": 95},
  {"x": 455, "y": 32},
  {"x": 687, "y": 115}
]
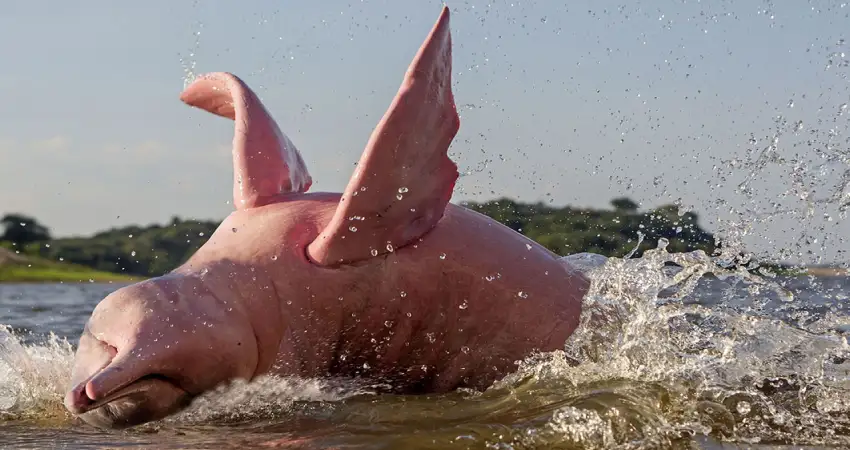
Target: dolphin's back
[{"x": 464, "y": 302}]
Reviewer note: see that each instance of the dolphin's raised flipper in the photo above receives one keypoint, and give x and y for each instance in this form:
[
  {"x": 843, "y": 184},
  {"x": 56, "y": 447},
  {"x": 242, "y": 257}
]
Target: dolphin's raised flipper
[
  {"x": 265, "y": 161},
  {"x": 404, "y": 179}
]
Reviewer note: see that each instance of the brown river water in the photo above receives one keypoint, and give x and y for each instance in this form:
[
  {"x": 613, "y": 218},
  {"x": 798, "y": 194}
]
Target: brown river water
[{"x": 664, "y": 358}]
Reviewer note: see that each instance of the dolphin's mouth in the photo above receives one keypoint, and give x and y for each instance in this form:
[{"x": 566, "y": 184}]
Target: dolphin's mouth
[
  {"x": 147, "y": 399},
  {"x": 148, "y": 384}
]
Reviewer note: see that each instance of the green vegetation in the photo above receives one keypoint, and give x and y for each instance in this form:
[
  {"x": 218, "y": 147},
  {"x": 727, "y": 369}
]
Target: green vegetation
[
  {"x": 143, "y": 251},
  {"x": 157, "y": 249},
  {"x": 22, "y": 230},
  {"x": 607, "y": 232},
  {"x": 29, "y": 269},
  {"x": 127, "y": 253}
]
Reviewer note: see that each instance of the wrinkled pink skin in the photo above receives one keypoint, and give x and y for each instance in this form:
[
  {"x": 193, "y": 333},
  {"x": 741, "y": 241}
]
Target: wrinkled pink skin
[
  {"x": 282, "y": 288},
  {"x": 292, "y": 317}
]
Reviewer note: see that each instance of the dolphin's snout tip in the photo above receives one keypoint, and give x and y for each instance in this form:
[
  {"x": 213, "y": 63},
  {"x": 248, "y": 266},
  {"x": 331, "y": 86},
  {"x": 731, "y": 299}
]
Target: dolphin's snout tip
[
  {"x": 142, "y": 401},
  {"x": 77, "y": 401}
]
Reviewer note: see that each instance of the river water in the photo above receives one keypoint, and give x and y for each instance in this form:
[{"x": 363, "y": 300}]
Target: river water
[{"x": 664, "y": 358}]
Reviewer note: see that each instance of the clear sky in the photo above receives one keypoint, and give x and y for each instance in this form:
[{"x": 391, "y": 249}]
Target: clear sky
[{"x": 576, "y": 104}]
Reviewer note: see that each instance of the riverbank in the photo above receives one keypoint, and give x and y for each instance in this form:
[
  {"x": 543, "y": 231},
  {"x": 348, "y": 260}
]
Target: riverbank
[
  {"x": 138, "y": 252},
  {"x": 17, "y": 268},
  {"x": 827, "y": 272}
]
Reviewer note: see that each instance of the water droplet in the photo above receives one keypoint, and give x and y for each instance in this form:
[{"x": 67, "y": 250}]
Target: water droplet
[
  {"x": 374, "y": 252},
  {"x": 464, "y": 305},
  {"x": 743, "y": 407},
  {"x": 366, "y": 366},
  {"x": 353, "y": 229},
  {"x": 399, "y": 196},
  {"x": 402, "y": 190},
  {"x": 403, "y": 294},
  {"x": 522, "y": 294},
  {"x": 431, "y": 337},
  {"x": 388, "y": 323},
  {"x": 528, "y": 246},
  {"x": 442, "y": 256},
  {"x": 464, "y": 349},
  {"x": 133, "y": 253},
  {"x": 274, "y": 257},
  {"x": 390, "y": 248},
  {"x": 409, "y": 315}
]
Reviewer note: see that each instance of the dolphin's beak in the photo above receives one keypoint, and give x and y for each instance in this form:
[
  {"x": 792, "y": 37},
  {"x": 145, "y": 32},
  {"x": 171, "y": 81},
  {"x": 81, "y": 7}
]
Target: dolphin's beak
[
  {"x": 143, "y": 401},
  {"x": 106, "y": 404},
  {"x": 91, "y": 358}
]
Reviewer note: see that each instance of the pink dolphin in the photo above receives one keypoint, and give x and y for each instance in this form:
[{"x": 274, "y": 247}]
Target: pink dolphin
[{"x": 386, "y": 281}]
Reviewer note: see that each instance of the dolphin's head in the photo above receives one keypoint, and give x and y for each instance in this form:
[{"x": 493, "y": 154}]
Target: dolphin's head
[{"x": 149, "y": 348}]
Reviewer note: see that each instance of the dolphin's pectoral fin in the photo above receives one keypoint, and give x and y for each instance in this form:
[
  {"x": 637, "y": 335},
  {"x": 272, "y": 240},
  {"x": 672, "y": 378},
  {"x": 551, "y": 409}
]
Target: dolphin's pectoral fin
[
  {"x": 404, "y": 179},
  {"x": 265, "y": 161}
]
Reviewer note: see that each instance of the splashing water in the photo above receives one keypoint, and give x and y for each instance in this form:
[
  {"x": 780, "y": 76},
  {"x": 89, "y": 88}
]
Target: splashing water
[
  {"x": 32, "y": 378},
  {"x": 672, "y": 350},
  {"x": 685, "y": 368},
  {"x": 189, "y": 62}
]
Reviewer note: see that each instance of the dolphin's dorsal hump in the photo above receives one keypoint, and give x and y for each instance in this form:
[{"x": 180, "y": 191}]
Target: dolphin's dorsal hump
[
  {"x": 404, "y": 179},
  {"x": 265, "y": 162}
]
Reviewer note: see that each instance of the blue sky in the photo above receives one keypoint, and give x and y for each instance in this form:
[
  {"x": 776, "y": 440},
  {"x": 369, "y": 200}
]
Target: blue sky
[{"x": 572, "y": 104}]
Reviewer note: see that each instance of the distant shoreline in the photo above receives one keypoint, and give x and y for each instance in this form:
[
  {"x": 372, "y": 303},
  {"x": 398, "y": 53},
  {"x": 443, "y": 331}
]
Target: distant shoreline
[
  {"x": 38, "y": 277},
  {"x": 21, "y": 269},
  {"x": 827, "y": 272},
  {"x": 132, "y": 253}
]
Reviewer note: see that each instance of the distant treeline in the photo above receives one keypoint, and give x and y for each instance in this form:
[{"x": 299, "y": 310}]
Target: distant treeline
[{"x": 157, "y": 249}]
